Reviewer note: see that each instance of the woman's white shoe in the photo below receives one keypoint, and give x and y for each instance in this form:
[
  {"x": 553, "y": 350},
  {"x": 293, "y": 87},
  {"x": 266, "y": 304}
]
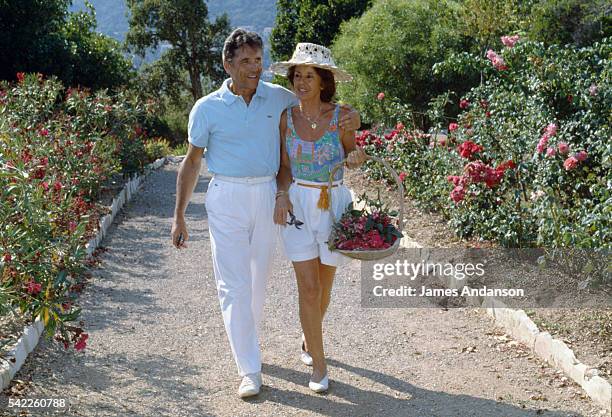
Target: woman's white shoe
[
  {"x": 304, "y": 355},
  {"x": 320, "y": 386}
]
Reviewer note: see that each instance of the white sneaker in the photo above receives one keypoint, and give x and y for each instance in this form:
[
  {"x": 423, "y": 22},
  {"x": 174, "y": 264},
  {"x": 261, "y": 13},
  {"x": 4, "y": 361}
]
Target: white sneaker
[
  {"x": 304, "y": 355},
  {"x": 250, "y": 385},
  {"x": 320, "y": 386}
]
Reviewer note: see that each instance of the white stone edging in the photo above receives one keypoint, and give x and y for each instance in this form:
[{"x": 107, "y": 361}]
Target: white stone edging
[
  {"x": 553, "y": 351},
  {"x": 32, "y": 333}
]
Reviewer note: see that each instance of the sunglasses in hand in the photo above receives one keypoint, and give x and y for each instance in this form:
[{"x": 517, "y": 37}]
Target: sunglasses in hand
[{"x": 294, "y": 222}]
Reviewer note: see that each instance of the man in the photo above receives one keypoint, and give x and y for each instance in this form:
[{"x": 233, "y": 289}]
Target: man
[{"x": 239, "y": 126}]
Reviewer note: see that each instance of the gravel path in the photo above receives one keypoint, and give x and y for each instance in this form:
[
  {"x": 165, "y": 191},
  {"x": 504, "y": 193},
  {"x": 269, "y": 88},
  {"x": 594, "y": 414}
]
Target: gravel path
[{"x": 157, "y": 345}]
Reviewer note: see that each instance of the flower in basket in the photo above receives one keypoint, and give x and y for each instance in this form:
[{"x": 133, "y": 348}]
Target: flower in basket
[{"x": 370, "y": 228}]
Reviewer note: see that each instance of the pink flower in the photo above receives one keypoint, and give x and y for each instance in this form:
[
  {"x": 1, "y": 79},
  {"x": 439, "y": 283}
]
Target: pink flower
[
  {"x": 570, "y": 163},
  {"x": 563, "y": 148},
  {"x": 510, "y": 41},
  {"x": 464, "y": 104},
  {"x": 380, "y": 96},
  {"x": 7, "y": 257},
  {"x": 457, "y": 194},
  {"x": 452, "y": 127},
  {"x": 72, "y": 226},
  {"x": 45, "y": 185},
  {"x": 497, "y": 61},
  {"x": 550, "y": 152},
  {"x": 82, "y": 342},
  {"x": 33, "y": 287},
  {"x": 542, "y": 144},
  {"x": 44, "y": 132},
  {"x": 551, "y": 129},
  {"x": 20, "y": 77},
  {"x": 593, "y": 90},
  {"x": 402, "y": 176},
  {"x": 581, "y": 156},
  {"x": 399, "y": 126}
]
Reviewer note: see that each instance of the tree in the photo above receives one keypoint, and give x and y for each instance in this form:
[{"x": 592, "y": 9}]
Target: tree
[
  {"x": 316, "y": 21},
  {"x": 97, "y": 60},
  {"x": 41, "y": 36},
  {"x": 196, "y": 44},
  {"x": 30, "y": 39},
  {"x": 579, "y": 22},
  {"x": 392, "y": 49}
]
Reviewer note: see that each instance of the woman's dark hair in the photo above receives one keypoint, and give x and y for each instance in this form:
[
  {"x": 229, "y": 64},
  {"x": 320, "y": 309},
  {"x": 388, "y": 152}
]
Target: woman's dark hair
[
  {"x": 237, "y": 39},
  {"x": 327, "y": 81}
]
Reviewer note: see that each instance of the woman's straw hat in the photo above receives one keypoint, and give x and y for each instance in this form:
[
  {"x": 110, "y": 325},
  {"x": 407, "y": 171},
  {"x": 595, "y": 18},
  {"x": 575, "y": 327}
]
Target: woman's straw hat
[{"x": 311, "y": 54}]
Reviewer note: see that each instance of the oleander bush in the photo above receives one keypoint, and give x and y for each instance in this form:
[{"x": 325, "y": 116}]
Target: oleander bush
[
  {"x": 57, "y": 147},
  {"x": 527, "y": 161}
]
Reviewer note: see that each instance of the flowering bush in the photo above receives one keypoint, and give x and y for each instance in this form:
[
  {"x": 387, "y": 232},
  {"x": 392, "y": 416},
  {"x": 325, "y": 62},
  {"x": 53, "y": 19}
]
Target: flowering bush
[
  {"x": 527, "y": 161},
  {"x": 57, "y": 147},
  {"x": 370, "y": 228}
]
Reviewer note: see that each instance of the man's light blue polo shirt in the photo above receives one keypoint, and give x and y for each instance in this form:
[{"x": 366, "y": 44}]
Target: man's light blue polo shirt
[{"x": 240, "y": 140}]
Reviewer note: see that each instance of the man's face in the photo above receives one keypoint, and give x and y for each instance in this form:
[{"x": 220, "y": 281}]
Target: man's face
[{"x": 245, "y": 67}]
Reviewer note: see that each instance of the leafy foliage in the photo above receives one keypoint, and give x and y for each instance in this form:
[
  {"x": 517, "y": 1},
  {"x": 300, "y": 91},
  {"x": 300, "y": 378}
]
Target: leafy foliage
[
  {"x": 392, "y": 49},
  {"x": 527, "y": 162},
  {"x": 57, "y": 147},
  {"x": 40, "y": 36},
  {"x": 316, "y": 21},
  {"x": 196, "y": 43}
]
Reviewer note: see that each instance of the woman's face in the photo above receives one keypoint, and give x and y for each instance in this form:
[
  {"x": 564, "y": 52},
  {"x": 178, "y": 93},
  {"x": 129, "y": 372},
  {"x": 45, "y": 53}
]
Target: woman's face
[{"x": 306, "y": 82}]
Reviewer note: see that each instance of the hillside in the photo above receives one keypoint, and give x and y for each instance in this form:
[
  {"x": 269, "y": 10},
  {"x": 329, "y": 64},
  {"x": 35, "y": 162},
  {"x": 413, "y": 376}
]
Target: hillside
[
  {"x": 258, "y": 16},
  {"x": 112, "y": 20}
]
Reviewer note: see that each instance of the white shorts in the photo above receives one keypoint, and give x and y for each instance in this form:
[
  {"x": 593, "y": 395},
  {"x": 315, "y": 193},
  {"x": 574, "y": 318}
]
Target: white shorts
[{"x": 310, "y": 241}]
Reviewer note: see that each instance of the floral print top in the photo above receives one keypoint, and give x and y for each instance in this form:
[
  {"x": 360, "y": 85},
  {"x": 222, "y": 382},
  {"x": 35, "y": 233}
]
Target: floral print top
[{"x": 313, "y": 160}]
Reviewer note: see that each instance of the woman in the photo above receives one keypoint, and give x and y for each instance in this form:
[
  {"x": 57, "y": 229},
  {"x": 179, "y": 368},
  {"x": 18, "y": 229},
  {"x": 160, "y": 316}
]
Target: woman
[{"x": 311, "y": 145}]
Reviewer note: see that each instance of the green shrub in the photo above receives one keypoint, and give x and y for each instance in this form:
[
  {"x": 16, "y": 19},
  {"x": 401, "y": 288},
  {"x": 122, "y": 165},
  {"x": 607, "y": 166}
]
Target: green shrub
[
  {"x": 392, "y": 49},
  {"x": 57, "y": 147},
  {"x": 156, "y": 148},
  {"x": 527, "y": 162}
]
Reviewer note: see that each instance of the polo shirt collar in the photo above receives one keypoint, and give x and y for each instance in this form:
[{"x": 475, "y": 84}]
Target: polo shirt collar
[{"x": 228, "y": 97}]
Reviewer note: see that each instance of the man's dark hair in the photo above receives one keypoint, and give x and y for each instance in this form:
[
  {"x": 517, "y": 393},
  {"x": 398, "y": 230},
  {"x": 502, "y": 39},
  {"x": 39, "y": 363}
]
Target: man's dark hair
[
  {"x": 237, "y": 39},
  {"x": 327, "y": 82}
]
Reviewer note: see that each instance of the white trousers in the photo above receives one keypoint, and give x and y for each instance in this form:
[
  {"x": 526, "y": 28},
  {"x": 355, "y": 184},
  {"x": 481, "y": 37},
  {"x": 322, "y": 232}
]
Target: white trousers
[{"x": 243, "y": 238}]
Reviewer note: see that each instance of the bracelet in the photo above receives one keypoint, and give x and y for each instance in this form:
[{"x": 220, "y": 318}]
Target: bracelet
[{"x": 281, "y": 193}]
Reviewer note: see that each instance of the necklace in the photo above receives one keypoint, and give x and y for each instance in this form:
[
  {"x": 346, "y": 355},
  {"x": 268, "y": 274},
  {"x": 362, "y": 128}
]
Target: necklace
[{"x": 313, "y": 123}]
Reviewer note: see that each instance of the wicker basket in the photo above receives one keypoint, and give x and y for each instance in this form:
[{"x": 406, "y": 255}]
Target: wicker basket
[{"x": 370, "y": 255}]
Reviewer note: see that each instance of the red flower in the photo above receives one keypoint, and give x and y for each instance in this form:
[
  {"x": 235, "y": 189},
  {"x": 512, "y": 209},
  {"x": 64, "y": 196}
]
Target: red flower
[
  {"x": 452, "y": 127},
  {"x": 43, "y": 132},
  {"x": 570, "y": 163},
  {"x": 399, "y": 126},
  {"x": 7, "y": 257},
  {"x": 380, "y": 96},
  {"x": 581, "y": 156},
  {"x": 20, "y": 76},
  {"x": 57, "y": 186},
  {"x": 464, "y": 104},
  {"x": 33, "y": 287},
  {"x": 457, "y": 194},
  {"x": 72, "y": 226},
  {"x": 45, "y": 185},
  {"x": 468, "y": 148},
  {"x": 82, "y": 342},
  {"x": 402, "y": 176}
]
